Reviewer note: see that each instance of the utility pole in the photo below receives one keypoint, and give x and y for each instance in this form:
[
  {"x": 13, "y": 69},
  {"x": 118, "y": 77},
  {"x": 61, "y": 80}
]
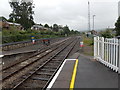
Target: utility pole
[
  {"x": 88, "y": 16},
  {"x": 93, "y": 21}
]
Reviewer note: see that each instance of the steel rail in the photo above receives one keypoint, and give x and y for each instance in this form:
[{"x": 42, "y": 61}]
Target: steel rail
[
  {"x": 59, "y": 66},
  {"x": 40, "y": 67},
  {"x": 8, "y": 76},
  {"x": 38, "y": 52}
]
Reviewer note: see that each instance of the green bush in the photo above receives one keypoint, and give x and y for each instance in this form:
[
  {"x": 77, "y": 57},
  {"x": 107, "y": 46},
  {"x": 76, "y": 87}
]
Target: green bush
[
  {"x": 88, "y": 41},
  {"x": 17, "y": 35},
  {"x": 14, "y": 35},
  {"x": 107, "y": 34}
]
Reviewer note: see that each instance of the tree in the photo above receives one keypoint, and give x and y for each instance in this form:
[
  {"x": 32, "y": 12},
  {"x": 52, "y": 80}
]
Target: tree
[
  {"x": 46, "y": 25},
  {"x": 117, "y": 27},
  {"x": 55, "y": 27},
  {"x": 66, "y": 29},
  {"x": 22, "y": 13},
  {"x": 106, "y": 34}
]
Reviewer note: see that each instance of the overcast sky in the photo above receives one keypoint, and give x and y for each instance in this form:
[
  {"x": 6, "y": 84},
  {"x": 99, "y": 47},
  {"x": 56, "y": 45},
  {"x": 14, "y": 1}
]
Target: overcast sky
[{"x": 73, "y": 13}]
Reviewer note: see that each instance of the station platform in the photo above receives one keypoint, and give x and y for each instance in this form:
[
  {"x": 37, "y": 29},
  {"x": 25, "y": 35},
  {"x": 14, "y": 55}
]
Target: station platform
[
  {"x": 31, "y": 48},
  {"x": 84, "y": 72}
]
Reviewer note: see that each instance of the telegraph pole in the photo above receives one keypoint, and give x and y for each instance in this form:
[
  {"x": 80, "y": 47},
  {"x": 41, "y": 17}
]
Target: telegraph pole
[
  {"x": 88, "y": 16},
  {"x": 93, "y": 21}
]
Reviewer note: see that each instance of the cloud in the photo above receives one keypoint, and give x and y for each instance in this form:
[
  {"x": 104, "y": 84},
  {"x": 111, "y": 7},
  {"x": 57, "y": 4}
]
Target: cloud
[{"x": 71, "y": 12}]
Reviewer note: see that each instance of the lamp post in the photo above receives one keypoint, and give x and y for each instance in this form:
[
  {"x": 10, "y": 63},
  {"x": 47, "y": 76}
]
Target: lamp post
[{"x": 93, "y": 21}]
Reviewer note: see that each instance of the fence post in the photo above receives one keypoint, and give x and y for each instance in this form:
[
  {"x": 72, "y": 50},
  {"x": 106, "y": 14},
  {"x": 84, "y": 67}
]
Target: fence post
[
  {"x": 95, "y": 47},
  {"x": 119, "y": 54},
  {"x": 98, "y": 46},
  {"x": 102, "y": 48}
]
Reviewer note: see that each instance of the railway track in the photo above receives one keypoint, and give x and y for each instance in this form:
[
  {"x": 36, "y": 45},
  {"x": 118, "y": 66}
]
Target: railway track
[
  {"x": 43, "y": 74},
  {"x": 47, "y": 58},
  {"x": 11, "y": 70},
  {"x": 30, "y": 60},
  {"x": 41, "y": 50}
]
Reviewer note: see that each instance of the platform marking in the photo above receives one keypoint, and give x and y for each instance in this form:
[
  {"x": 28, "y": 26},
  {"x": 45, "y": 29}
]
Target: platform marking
[
  {"x": 1, "y": 56},
  {"x": 57, "y": 74},
  {"x": 55, "y": 77},
  {"x": 73, "y": 75}
]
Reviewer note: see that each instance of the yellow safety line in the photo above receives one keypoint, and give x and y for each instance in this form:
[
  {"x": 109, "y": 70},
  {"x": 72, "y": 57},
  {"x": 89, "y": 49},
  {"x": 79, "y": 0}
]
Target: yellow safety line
[{"x": 73, "y": 75}]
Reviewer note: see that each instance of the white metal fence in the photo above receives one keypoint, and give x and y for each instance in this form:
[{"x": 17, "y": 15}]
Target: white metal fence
[{"x": 107, "y": 51}]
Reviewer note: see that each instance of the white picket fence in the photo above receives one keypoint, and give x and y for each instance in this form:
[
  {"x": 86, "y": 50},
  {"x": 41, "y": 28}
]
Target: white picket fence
[{"x": 107, "y": 51}]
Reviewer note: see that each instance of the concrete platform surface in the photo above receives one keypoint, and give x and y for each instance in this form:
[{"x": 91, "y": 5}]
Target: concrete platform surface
[
  {"x": 63, "y": 77},
  {"x": 92, "y": 74}
]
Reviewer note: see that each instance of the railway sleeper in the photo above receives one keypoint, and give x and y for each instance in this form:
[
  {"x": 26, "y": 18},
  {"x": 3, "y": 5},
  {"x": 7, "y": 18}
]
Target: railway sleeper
[
  {"x": 56, "y": 59},
  {"x": 50, "y": 67},
  {"x": 51, "y": 62},
  {"x": 50, "y": 70},
  {"x": 42, "y": 79},
  {"x": 63, "y": 55},
  {"x": 44, "y": 73}
]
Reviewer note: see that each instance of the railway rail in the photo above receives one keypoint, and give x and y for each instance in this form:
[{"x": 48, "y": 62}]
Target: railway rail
[
  {"x": 11, "y": 70},
  {"x": 40, "y": 50},
  {"x": 14, "y": 68},
  {"x": 39, "y": 68}
]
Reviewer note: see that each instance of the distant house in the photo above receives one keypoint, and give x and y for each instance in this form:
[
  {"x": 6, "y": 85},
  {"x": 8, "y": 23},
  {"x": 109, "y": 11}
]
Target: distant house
[
  {"x": 16, "y": 25},
  {"x": 60, "y": 28},
  {"x": 89, "y": 32},
  {"x": 5, "y": 24},
  {"x": 94, "y": 32},
  {"x": 13, "y": 24},
  {"x": 37, "y": 27}
]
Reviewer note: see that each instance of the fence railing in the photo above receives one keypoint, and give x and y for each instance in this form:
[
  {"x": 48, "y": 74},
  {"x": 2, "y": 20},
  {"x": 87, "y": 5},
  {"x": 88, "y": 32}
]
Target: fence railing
[{"x": 107, "y": 51}]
